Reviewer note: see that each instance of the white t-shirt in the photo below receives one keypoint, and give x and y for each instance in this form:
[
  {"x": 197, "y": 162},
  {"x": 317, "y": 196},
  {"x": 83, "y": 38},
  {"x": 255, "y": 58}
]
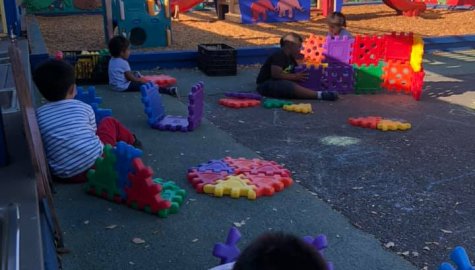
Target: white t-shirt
[{"x": 117, "y": 68}]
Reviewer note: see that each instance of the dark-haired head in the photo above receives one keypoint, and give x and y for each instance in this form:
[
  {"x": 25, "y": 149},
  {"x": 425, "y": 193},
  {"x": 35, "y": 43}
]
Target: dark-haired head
[
  {"x": 118, "y": 45},
  {"x": 54, "y": 79},
  {"x": 291, "y": 43},
  {"x": 280, "y": 251}
]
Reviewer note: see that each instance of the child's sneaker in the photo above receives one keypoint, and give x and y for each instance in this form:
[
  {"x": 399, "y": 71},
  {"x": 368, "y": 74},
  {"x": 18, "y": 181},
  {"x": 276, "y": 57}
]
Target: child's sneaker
[
  {"x": 331, "y": 96},
  {"x": 172, "y": 91},
  {"x": 137, "y": 143}
]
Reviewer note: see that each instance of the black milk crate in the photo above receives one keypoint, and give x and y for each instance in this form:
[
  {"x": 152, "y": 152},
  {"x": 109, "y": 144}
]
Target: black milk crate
[
  {"x": 217, "y": 59},
  {"x": 90, "y": 67}
]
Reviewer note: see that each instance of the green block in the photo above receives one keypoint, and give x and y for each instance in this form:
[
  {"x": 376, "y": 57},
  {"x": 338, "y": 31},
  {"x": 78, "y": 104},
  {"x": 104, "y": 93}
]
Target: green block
[
  {"x": 442, "y": 2},
  {"x": 104, "y": 177},
  {"x": 275, "y": 103},
  {"x": 368, "y": 78},
  {"x": 172, "y": 193}
]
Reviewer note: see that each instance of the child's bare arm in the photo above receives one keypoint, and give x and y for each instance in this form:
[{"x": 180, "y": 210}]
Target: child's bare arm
[
  {"x": 278, "y": 73},
  {"x": 129, "y": 75}
]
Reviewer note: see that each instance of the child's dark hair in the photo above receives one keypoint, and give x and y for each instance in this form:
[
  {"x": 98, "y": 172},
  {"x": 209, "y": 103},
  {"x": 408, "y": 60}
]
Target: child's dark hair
[
  {"x": 337, "y": 18},
  {"x": 279, "y": 251},
  {"x": 117, "y": 45},
  {"x": 286, "y": 38},
  {"x": 53, "y": 79}
]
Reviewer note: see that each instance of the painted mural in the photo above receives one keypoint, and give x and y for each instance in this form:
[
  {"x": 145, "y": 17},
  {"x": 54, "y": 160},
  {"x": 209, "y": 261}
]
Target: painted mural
[{"x": 255, "y": 11}]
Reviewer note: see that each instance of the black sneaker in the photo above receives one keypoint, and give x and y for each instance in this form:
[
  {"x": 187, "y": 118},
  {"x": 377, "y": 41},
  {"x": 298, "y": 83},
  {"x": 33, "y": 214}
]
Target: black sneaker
[
  {"x": 172, "y": 91},
  {"x": 331, "y": 96},
  {"x": 137, "y": 143}
]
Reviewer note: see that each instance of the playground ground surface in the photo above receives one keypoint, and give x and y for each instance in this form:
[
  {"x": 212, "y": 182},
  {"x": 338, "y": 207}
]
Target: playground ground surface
[
  {"x": 85, "y": 32},
  {"x": 363, "y": 188}
]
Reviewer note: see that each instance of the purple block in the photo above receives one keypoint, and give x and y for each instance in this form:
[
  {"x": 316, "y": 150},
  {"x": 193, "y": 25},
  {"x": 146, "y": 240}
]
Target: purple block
[
  {"x": 338, "y": 49},
  {"x": 195, "y": 106},
  {"x": 240, "y": 95},
  {"x": 172, "y": 123},
  {"x": 340, "y": 78},
  {"x": 216, "y": 165},
  {"x": 319, "y": 243},
  {"x": 228, "y": 252},
  {"x": 316, "y": 77}
]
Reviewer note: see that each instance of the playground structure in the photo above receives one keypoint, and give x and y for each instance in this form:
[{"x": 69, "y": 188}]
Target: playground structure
[
  {"x": 10, "y": 18},
  {"x": 146, "y": 23},
  {"x": 366, "y": 64}
]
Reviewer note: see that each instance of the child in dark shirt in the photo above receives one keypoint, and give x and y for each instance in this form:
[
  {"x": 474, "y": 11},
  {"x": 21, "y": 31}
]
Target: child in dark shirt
[{"x": 277, "y": 78}]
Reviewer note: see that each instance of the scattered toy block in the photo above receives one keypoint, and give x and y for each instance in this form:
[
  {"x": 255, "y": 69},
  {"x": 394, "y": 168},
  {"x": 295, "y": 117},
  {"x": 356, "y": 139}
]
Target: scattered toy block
[
  {"x": 215, "y": 165},
  {"x": 460, "y": 257},
  {"x": 200, "y": 179},
  {"x": 320, "y": 243},
  {"x": 365, "y": 122},
  {"x": 241, "y": 95},
  {"x": 124, "y": 154},
  {"x": 156, "y": 112},
  {"x": 234, "y": 185},
  {"x": 267, "y": 185},
  {"x": 102, "y": 180},
  {"x": 161, "y": 80},
  {"x": 387, "y": 124},
  {"x": 299, "y": 108},
  {"x": 143, "y": 193},
  {"x": 239, "y": 103},
  {"x": 228, "y": 251},
  {"x": 275, "y": 103},
  {"x": 242, "y": 165},
  {"x": 172, "y": 193}
]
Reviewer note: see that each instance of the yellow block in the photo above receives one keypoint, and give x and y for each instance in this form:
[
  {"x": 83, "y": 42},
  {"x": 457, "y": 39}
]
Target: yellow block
[
  {"x": 300, "y": 108},
  {"x": 417, "y": 53},
  {"x": 235, "y": 186},
  {"x": 386, "y": 125}
]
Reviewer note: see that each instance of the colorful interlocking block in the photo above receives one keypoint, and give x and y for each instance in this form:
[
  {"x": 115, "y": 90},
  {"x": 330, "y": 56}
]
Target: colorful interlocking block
[
  {"x": 316, "y": 77},
  {"x": 250, "y": 178},
  {"x": 313, "y": 50},
  {"x": 365, "y": 122},
  {"x": 392, "y": 125},
  {"x": 338, "y": 49},
  {"x": 299, "y": 108},
  {"x": 102, "y": 180},
  {"x": 417, "y": 84},
  {"x": 460, "y": 257},
  {"x": 398, "y": 46},
  {"x": 270, "y": 103},
  {"x": 417, "y": 53},
  {"x": 340, "y": 78},
  {"x": 397, "y": 76},
  {"x": 241, "y": 95},
  {"x": 124, "y": 153},
  {"x": 367, "y": 50},
  {"x": 87, "y": 96},
  {"x": 239, "y": 103},
  {"x": 235, "y": 186},
  {"x": 376, "y": 122},
  {"x": 228, "y": 251},
  {"x": 161, "y": 80},
  {"x": 368, "y": 79},
  {"x": 172, "y": 193}
]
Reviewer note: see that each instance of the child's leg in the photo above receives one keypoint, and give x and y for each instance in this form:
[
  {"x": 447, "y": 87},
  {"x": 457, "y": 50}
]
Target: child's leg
[
  {"x": 134, "y": 87},
  {"x": 111, "y": 131},
  {"x": 285, "y": 89}
]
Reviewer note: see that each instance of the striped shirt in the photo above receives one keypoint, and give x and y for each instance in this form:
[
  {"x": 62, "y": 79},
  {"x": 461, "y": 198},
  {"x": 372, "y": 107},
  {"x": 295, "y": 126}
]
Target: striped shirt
[{"x": 68, "y": 129}]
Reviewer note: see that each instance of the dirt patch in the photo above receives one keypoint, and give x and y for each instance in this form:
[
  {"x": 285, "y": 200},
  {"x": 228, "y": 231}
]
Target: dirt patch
[{"x": 86, "y": 32}]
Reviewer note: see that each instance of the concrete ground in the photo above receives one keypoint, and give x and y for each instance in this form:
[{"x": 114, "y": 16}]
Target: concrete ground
[{"x": 362, "y": 188}]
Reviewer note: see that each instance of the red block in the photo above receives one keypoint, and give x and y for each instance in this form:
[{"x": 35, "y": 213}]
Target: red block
[
  {"x": 239, "y": 103},
  {"x": 200, "y": 179},
  {"x": 242, "y": 165},
  {"x": 417, "y": 84},
  {"x": 161, "y": 80},
  {"x": 398, "y": 46},
  {"x": 367, "y": 50},
  {"x": 267, "y": 185},
  {"x": 365, "y": 122},
  {"x": 143, "y": 191}
]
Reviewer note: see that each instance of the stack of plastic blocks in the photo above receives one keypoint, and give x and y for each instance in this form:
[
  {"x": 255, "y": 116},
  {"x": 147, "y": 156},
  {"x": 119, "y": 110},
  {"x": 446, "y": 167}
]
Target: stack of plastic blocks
[
  {"x": 161, "y": 80},
  {"x": 155, "y": 110},
  {"x": 251, "y": 178},
  {"x": 365, "y": 64},
  {"x": 90, "y": 98},
  {"x": 377, "y": 122},
  {"x": 121, "y": 176},
  {"x": 239, "y": 100}
]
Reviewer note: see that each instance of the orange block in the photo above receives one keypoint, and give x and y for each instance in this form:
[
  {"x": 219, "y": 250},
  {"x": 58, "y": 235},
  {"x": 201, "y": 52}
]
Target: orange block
[
  {"x": 161, "y": 80},
  {"x": 313, "y": 49},
  {"x": 398, "y": 76},
  {"x": 239, "y": 103}
]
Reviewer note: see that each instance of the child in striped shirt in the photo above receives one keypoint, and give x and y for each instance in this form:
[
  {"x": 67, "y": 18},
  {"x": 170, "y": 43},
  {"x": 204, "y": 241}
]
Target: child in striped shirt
[{"x": 68, "y": 127}]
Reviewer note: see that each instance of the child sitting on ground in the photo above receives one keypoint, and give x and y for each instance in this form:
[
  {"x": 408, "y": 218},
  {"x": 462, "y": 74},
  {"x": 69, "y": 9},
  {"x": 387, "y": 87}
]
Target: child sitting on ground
[
  {"x": 276, "y": 78},
  {"x": 121, "y": 77},
  {"x": 337, "y": 25},
  {"x": 68, "y": 126},
  {"x": 277, "y": 251}
]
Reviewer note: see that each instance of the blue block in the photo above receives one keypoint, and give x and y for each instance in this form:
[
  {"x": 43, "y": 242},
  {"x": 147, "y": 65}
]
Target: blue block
[
  {"x": 88, "y": 96},
  {"x": 152, "y": 102},
  {"x": 460, "y": 257},
  {"x": 100, "y": 113},
  {"x": 125, "y": 153}
]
